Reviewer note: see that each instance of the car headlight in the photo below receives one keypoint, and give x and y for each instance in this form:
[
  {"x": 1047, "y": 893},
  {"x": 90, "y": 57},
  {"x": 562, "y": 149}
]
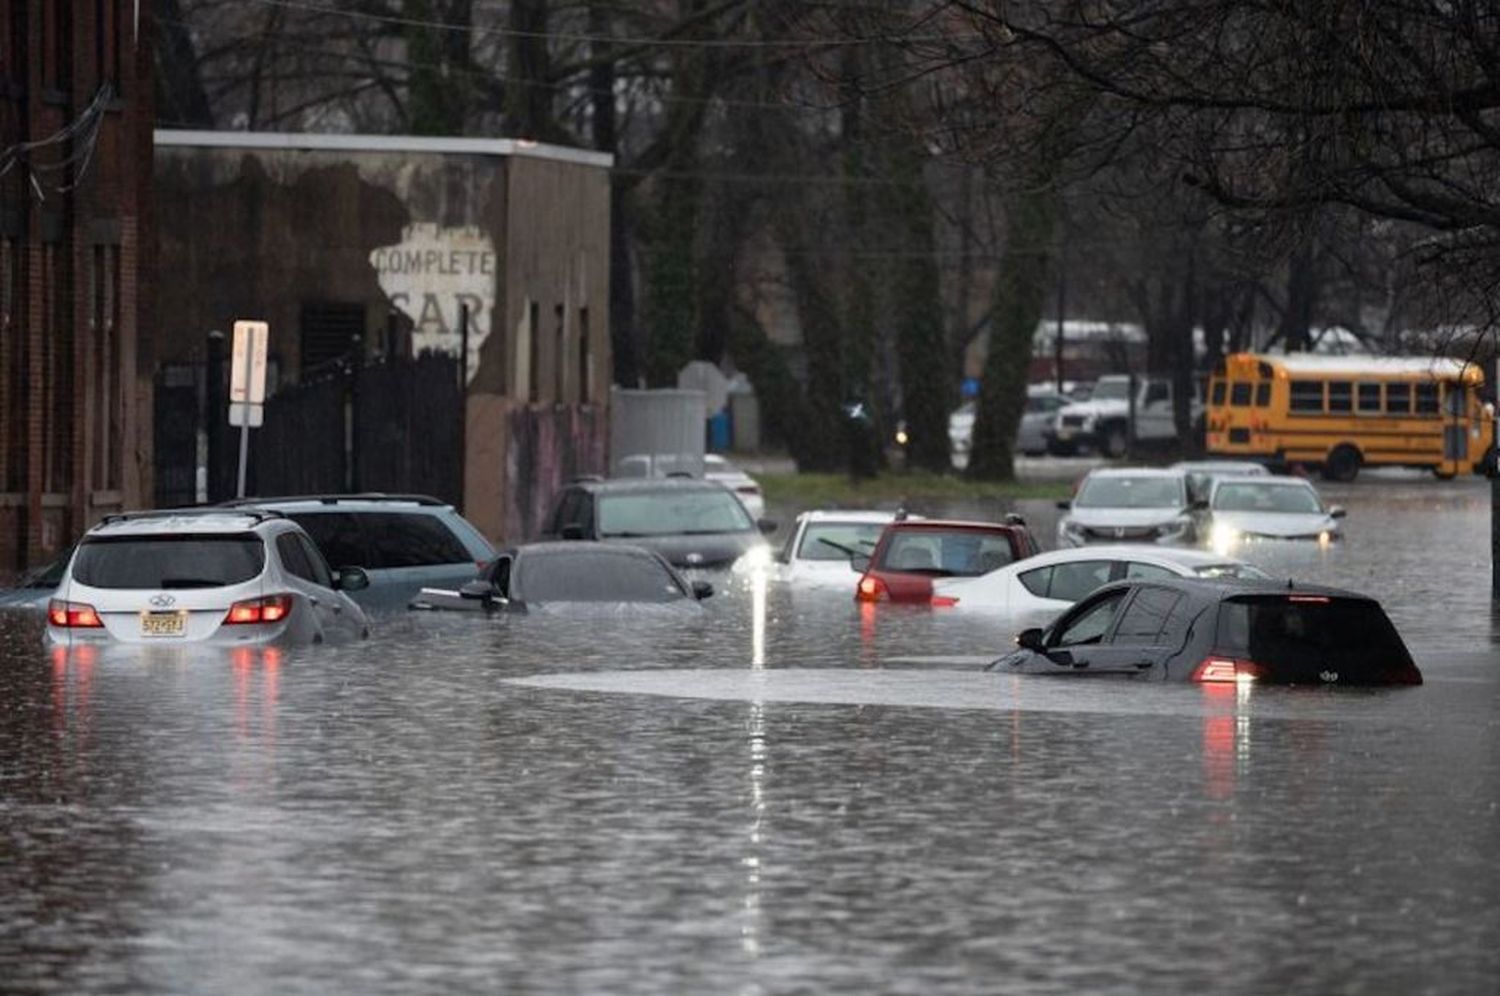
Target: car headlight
[
  {"x": 1224, "y": 537},
  {"x": 1072, "y": 530}
]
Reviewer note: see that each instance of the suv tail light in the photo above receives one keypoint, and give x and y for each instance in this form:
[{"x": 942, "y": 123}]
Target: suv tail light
[
  {"x": 73, "y": 615},
  {"x": 871, "y": 589},
  {"x": 944, "y": 601},
  {"x": 1214, "y": 669},
  {"x": 270, "y": 609}
]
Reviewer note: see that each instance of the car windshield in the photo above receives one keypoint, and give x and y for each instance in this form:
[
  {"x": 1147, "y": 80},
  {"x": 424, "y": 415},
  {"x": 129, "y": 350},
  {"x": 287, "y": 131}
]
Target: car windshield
[
  {"x": 1130, "y": 492},
  {"x": 946, "y": 553},
  {"x": 1111, "y": 390},
  {"x": 837, "y": 540},
  {"x": 592, "y": 576},
  {"x": 1274, "y": 498},
  {"x": 667, "y": 513},
  {"x": 185, "y": 561}
]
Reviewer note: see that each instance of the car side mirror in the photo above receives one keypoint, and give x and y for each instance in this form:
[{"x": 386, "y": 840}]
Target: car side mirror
[
  {"x": 572, "y": 531},
  {"x": 1337, "y": 512},
  {"x": 702, "y": 590},
  {"x": 1064, "y": 506},
  {"x": 859, "y": 562},
  {"x": 766, "y": 526},
  {"x": 1031, "y": 639},
  {"x": 350, "y": 579},
  {"x": 477, "y": 589}
]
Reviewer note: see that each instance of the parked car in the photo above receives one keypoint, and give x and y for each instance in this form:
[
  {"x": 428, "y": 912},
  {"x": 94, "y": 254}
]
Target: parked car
[
  {"x": 714, "y": 467},
  {"x": 34, "y": 589},
  {"x": 1042, "y": 403},
  {"x": 1220, "y": 631},
  {"x": 911, "y": 554},
  {"x": 819, "y": 549},
  {"x": 1040, "y": 587},
  {"x": 1201, "y": 473},
  {"x": 403, "y": 542},
  {"x": 1247, "y": 509},
  {"x": 539, "y": 575},
  {"x": 1102, "y": 423},
  {"x": 692, "y": 523},
  {"x": 1137, "y": 505},
  {"x": 218, "y": 576}
]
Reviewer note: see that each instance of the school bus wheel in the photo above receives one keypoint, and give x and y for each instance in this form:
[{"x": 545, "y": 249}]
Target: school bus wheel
[{"x": 1342, "y": 464}]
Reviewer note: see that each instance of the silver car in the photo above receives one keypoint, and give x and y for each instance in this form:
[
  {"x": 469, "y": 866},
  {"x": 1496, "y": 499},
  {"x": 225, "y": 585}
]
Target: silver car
[
  {"x": 1041, "y": 405},
  {"x": 1128, "y": 505},
  {"x": 212, "y": 576},
  {"x": 1243, "y": 510}
]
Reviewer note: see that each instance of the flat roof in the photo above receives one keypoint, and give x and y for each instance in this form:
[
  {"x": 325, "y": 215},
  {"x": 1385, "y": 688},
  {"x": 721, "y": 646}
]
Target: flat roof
[
  {"x": 1310, "y": 363},
  {"x": 323, "y": 142}
]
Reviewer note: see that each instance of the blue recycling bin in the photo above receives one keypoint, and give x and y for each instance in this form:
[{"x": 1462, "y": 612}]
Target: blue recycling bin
[{"x": 720, "y": 431}]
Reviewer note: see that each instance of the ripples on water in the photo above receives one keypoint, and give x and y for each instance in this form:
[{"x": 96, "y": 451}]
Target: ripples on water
[{"x": 780, "y": 793}]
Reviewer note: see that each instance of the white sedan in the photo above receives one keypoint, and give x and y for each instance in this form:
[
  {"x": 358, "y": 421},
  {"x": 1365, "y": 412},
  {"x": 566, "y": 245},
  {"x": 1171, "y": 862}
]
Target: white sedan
[
  {"x": 817, "y": 552},
  {"x": 1246, "y": 509},
  {"x": 1040, "y": 587}
]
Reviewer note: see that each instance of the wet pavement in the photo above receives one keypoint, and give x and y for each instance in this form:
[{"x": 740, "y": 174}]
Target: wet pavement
[{"x": 783, "y": 793}]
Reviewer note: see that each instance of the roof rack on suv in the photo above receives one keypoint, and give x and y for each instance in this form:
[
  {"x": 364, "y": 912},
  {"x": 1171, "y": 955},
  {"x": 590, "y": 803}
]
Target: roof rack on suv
[
  {"x": 258, "y": 514},
  {"x": 331, "y": 499}
]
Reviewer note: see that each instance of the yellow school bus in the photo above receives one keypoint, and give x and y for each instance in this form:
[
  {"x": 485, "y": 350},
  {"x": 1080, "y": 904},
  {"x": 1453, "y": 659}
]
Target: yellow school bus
[{"x": 1340, "y": 413}]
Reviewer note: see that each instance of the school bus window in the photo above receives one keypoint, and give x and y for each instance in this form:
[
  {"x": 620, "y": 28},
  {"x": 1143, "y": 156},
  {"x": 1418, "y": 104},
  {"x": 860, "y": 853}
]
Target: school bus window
[
  {"x": 1239, "y": 394},
  {"x": 1398, "y": 398},
  {"x": 1369, "y": 397},
  {"x": 1263, "y": 394},
  {"x": 1217, "y": 391},
  {"x": 1307, "y": 396},
  {"x": 1427, "y": 399},
  {"x": 1453, "y": 399},
  {"x": 1340, "y": 396}
]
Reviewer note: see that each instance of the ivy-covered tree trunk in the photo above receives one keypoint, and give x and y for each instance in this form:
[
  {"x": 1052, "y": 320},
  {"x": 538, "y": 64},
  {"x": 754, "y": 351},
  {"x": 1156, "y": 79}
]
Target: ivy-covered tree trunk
[
  {"x": 440, "y": 87},
  {"x": 1031, "y": 216}
]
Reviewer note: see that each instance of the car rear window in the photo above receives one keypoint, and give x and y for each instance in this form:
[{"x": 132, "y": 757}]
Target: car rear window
[
  {"x": 593, "y": 577},
  {"x": 946, "y": 553},
  {"x": 1306, "y": 634},
  {"x": 185, "y": 561},
  {"x": 381, "y": 540}
]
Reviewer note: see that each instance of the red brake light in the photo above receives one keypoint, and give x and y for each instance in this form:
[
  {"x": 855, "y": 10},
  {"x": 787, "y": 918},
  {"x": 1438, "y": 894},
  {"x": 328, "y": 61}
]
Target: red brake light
[
  {"x": 73, "y": 615},
  {"x": 1308, "y": 598},
  {"x": 1213, "y": 669},
  {"x": 270, "y": 609},
  {"x": 871, "y": 589},
  {"x": 944, "y": 601}
]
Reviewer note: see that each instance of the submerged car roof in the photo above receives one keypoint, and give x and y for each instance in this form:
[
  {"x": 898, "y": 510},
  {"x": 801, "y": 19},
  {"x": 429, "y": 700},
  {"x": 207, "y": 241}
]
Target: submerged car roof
[
  {"x": 1185, "y": 555},
  {"x": 1218, "y": 588},
  {"x": 1135, "y": 472},
  {"x": 854, "y": 515}
]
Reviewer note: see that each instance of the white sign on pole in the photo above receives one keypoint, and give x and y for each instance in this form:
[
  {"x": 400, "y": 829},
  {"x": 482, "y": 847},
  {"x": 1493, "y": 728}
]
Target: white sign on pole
[
  {"x": 247, "y": 368},
  {"x": 253, "y": 416}
]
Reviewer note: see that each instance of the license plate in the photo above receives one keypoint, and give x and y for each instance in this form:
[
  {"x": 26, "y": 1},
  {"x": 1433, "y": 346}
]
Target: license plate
[
  {"x": 1064, "y": 433},
  {"x": 163, "y": 623}
]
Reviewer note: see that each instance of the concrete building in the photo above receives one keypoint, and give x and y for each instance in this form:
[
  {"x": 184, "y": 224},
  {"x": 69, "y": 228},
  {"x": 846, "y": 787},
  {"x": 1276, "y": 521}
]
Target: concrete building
[
  {"x": 392, "y": 239},
  {"x": 75, "y": 239}
]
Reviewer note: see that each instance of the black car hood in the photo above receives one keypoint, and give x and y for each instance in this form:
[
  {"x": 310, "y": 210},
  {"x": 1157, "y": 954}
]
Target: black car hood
[{"x": 707, "y": 550}]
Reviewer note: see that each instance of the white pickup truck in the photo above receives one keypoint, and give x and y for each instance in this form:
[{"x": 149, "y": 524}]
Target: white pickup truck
[{"x": 1100, "y": 423}]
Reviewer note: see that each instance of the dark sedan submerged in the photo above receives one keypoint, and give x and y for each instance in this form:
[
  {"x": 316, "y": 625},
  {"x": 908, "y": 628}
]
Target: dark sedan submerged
[
  {"x": 1220, "y": 631},
  {"x": 541, "y": 574}
]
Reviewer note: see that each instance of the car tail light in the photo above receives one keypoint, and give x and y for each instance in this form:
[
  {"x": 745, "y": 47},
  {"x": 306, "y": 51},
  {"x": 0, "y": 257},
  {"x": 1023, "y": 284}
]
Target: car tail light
[
  {"x": 871, "y": 589},
  {"x": 1213, "y": 669},
  {"x": 270, "y": 609},
  {"x": 944, "y": 601},
  {"x": 73, "y": 615}
]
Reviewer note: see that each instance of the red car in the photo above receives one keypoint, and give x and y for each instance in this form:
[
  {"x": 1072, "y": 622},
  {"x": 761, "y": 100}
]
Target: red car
[{"x": 911, "y": 552}]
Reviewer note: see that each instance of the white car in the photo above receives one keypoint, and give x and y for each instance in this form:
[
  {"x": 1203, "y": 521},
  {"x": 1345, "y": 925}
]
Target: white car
[
  {"x": 1128, "y": 505},
  {"x": 211, "y": 576},
  {"x": 1042, "y": 403},
  {"x": 1246, "y": 509},
  {"x": 715, "y": 468},
  {"x": 1042, "y": 586},
  {"x": 818, "y": 550}
]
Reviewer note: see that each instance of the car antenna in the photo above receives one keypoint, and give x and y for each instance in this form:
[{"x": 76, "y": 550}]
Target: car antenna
[{"x": 1289, "y": 585}]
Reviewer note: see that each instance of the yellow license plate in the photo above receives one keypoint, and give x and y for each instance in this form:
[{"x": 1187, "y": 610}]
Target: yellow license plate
[{"x": 163, "y": 623}]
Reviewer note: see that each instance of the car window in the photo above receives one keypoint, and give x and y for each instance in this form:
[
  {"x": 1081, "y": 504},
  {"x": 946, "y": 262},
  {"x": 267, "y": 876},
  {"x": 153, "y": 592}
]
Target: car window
[
  {"x": 1310, "y": 631},
  {"x": 835, "y": 540},
  {"x": 293, "y": 557},
  {"x": 500, "y": 576},
  {"x": 1036, "y": 581},
  {"x": 668, "y": 513},
  {"x": 1145, "y": 618},
  {"x": 1147, "y": 572},
  {"x": 320, "y": 572},
  {"x": 1273, "y": 498},
  {"x": 1071, "y": 582},
  {"x": 951, "y": 553},
  {"x": 181, "y": 561},
  {"x": 1091, "y": 624},
  {"x": 592, "y": 576},
  {"x": 338, "y": 535},
  {"x": 408, "y": 539}
]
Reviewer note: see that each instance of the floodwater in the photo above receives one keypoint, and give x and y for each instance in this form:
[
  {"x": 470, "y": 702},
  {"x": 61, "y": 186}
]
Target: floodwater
[{"x": 780, "y": 794}]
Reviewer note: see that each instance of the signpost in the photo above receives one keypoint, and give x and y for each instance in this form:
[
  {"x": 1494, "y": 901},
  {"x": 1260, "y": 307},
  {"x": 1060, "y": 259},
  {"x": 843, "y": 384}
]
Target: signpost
[{"x": 247, "y": 386}]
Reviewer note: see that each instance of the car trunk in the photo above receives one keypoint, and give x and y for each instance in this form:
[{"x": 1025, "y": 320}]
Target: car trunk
[{"x": 1314, "y": 639}]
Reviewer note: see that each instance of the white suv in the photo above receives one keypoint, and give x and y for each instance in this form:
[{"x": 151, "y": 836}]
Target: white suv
[{"x": 219, "y": 576}]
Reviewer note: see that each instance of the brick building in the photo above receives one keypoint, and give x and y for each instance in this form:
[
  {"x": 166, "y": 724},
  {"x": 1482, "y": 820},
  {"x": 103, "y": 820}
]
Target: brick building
[{"x": 75, "y": 186}]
